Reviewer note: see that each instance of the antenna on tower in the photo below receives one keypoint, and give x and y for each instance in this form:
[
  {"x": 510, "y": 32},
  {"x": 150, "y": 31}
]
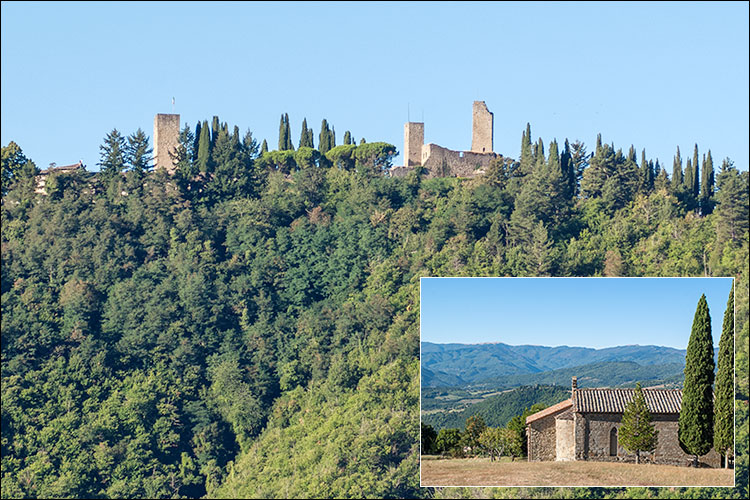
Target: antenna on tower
[{"x": 173, "y": 105}]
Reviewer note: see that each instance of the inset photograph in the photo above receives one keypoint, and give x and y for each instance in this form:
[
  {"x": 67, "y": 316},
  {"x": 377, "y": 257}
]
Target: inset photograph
[{"x": 577, "y": 382}]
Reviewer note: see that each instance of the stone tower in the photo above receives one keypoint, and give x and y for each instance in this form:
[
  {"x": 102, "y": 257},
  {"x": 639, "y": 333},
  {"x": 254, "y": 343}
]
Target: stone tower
[
  {"x": 481, "y": 130},
  {"x": 413, "y": 141},
  {"x": 166, "y": 140}
]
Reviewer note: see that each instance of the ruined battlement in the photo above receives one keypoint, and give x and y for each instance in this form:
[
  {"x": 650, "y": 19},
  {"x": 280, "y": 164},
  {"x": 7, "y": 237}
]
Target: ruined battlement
[{"x": 444, "y": 162}]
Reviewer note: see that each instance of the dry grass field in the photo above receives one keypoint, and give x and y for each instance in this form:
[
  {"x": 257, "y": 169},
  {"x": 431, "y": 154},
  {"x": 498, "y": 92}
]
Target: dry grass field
[{"x": 482, "y": 472}]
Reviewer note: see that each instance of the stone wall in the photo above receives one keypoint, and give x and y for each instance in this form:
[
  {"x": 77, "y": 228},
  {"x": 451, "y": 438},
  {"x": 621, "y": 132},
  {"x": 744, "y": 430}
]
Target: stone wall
[
  {"x": 481, "y": 130},
  {"x": 413, "y": 141},
  {"x": 542, "y": 439},
  {"x": 564, "y": 442},
  {"x": 443, "y": 162},
  {"x": 166, "y": 140},
  {"x": 667, "y": 451}
]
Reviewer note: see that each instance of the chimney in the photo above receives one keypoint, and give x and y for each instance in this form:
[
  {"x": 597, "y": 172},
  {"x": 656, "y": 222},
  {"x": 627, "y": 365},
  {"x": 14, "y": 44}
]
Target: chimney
[{"x": 575, "y": 386}]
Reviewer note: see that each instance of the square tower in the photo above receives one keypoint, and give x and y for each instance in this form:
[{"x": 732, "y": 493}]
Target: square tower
[
  {"x": 166, "y": 140},
  {"x": 481, "y": 131},
  {"x": 413, "y": 142}
]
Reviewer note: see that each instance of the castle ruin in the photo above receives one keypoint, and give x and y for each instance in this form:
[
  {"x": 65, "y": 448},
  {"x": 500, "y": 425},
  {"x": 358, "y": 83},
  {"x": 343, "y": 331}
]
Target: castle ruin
[
  {"x": 166, "y": 140},
  {"x": 444, "y": 162}
]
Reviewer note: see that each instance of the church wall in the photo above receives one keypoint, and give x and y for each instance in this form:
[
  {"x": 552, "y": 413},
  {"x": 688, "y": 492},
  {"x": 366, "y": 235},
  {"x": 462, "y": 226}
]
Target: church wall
[
  {"x": 542, "y": 439},
  {"x": 565, "y": 444},
  {"x": 667, "y": 451}
]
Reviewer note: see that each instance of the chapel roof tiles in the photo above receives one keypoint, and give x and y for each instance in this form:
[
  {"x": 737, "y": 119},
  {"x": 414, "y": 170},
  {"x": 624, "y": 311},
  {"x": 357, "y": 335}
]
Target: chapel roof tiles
[{"x": 614, "y": 400}]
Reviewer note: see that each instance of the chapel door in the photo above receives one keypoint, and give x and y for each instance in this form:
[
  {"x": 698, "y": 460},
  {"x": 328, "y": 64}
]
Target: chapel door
[{"x": 613, "y": 442}]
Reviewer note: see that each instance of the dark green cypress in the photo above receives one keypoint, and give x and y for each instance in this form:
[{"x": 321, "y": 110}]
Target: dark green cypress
[
  {"x": 264, "y": 147},
  {"x": 724, "y": 418},
  {"x": 707, "y": 184},
  {"x": 347, "y": 138},
  {"x": 215, "y": 128},
  {"x": 324, "y": 139},
  {"x": 196, "y": 140},
  {"x": 204, "y": 149},
  {"x": 688, "y": 180},
  {"x": 289, "y": 144},
  {"x": 696, "y": 174},
  {"x": 677, "y": 172},
  {"x": 696, "y": 427},
  {"x": 527, "y": 157},
  {"x": 284, "y": 133}
]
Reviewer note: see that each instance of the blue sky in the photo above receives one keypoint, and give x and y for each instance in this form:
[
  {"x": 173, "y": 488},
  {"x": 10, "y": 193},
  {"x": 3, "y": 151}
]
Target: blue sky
[
  {"x": 655, "y": 75},
  {"x": 585, "y": 312}
]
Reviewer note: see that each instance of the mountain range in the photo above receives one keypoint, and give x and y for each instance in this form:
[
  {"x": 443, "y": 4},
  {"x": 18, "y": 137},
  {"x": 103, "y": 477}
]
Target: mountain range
[{"x": 498, "y": 364}]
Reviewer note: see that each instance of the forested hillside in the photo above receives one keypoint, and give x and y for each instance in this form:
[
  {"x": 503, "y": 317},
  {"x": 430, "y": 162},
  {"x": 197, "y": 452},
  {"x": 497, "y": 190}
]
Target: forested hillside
[{"x": 249, "y": 327}]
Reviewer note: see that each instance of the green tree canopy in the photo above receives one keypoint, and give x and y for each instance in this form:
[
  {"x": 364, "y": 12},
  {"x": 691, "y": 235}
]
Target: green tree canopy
[{"x": 637, "y": 433}]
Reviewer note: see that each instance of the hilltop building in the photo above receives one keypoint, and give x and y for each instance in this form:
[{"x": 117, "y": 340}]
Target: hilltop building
[
  {"x": 444, "y": 162},
  {"x": 41, "y": 179},
  {"x": 166, "y": 140},
  {"x": 585, "y": 427}
]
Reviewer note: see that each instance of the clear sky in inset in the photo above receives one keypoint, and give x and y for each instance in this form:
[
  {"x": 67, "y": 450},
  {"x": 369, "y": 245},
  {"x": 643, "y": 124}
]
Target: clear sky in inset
[
  {"x": 655, "y": 75},
  {"x": 584, "y": 312}
]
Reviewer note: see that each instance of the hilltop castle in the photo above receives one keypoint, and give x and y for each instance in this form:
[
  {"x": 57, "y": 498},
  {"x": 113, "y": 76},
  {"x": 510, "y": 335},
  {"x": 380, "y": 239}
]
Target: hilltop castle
[
  {"x": 166, "y": 140},
  {"x": 443, "y": 162}
]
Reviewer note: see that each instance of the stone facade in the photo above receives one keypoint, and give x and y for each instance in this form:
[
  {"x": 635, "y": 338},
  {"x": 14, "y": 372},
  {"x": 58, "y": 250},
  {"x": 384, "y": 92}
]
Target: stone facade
[
  {"x": 567, "y": 432},
  {"x": 444, "y": 162},
  {"x": 413, "y": 142},
  {"x": 166, "y": 140},
  {"x": 482, "y": 128}
]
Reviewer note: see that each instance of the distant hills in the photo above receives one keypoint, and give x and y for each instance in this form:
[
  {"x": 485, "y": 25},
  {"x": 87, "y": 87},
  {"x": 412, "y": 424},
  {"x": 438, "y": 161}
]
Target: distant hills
[
  {"x": 503, "y": 365},
  {"x": 496, "y": 411}
]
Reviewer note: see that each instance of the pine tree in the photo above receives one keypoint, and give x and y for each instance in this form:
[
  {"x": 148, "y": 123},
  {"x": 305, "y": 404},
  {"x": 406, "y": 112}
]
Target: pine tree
[
  {"x": 137, "y": 152},
  {"x": 724, "y": 418},
  {"x": 637, "y": 433},
  {"x": 112, "y": 153},
  {"x": 695, "y": 425}
]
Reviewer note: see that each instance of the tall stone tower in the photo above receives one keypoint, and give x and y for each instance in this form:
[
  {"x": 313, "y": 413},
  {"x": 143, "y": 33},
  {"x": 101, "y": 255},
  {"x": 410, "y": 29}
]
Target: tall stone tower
[
  {"x": 481, "y": 131},
  {"x": 413, "y": 141},
  {"x": 166, "y": 140}
]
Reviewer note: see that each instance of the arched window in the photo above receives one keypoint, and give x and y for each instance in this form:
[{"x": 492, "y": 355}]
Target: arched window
[{"x": 613, "y": 442}]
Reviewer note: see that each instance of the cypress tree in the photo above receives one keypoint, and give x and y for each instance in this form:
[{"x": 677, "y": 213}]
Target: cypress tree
[
  {"x": 527, "y": 158},
  {"x": 362, "y": 141},
  {"x": 204, "y": 149},
  {"x": 724, "y": 418},
  {"x": 283, "y": 134},
  {"x": 707, "y": 184},
  {"x": 303, "y": 135},
  {"x": 637, "y": 433},
  {"x": 695, "y": 187},
  {"x": 264, "y": 147},
  {"x": 677, "y": 172},
  {"x": 696, "y": 427},
  {"x": 347, "y": 138},
  {"x": 288, "y": 134},
  {"x": 215, "y": 128},
  {"x": 324, "y": 138},
  {"x": 196, "y": 140},
  {"x": 688, "y": 181}
]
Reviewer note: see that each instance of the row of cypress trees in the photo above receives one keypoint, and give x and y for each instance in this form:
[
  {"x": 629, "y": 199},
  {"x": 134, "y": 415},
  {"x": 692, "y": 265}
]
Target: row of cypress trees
[{"x": 705, "y": 420}]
